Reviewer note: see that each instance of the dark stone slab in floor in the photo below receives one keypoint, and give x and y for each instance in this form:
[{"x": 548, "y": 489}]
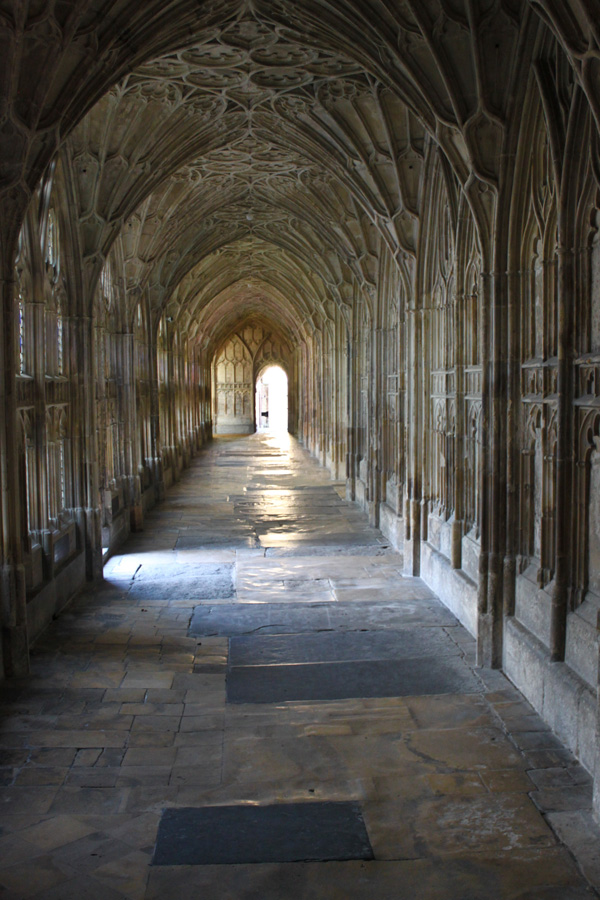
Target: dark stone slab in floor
[
  {"x": 293, "y": 490},
  {"x": 211, "y": 573},
  {"x": 214, "y": 541},
  {"x": 347, "y": 680},
  {"x": 269, "y": 650},
  {"x": 179, "y": 581},
  {"x": 283, "y": 832},
  {"x": 230, "y": 619},
  {"x": 303, "y": 549},
  {"x": 248, "y": 618},
  {"x": 193, "y": 589},
  {"x": 320, "y": 540}
]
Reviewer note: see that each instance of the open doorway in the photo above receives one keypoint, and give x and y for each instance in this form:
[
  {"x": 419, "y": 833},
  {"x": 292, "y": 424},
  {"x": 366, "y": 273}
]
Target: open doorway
[{"x": 272, "y": 400}]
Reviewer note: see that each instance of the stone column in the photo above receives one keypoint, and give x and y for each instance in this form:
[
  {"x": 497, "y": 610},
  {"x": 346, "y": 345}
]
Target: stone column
[
  {"x": 351, "y": 428},
  {"x": 414, "y": 419},
  {"x": 89, "y": 513},
  {"x": 513, "y": 392},
  {"x": 155, "y": 424},
  {"x": 13, "y": 610},
  {"x": 489, "y": 618},
  {"x": 379, "y": 374},
  {"x": 126, "y": 354},
  {"x": 38, "y": 358},
  {"x": 564, "y": 463}
]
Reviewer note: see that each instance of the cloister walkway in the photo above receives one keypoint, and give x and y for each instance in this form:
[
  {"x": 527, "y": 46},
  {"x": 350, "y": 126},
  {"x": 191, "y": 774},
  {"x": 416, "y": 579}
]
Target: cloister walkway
[{"x": 257, "y": 704}]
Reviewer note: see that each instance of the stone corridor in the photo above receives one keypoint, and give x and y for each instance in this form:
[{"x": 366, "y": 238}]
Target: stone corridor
[{"x": 256, "y": 650}]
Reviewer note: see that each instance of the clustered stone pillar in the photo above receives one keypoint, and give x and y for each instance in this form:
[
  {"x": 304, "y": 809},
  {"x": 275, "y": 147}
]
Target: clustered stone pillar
[{"x": 13, "y": 610}]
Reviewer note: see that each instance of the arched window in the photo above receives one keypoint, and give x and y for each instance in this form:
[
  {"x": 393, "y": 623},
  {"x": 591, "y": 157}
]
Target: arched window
[
  {"x": 106, "y": 284},
  {"x": 143, "y": 386},
  {"x": 53, "y": 242},
  {"x": 56, "y": 302},
  {"x": 59, "y": 308},
  {"x": 56, "y": 461},
  {"x": 22, "y": 295},
  {"x": 22, "y": 367}
]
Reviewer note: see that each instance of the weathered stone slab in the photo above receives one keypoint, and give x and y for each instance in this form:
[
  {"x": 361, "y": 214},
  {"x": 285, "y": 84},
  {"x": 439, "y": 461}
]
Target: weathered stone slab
[
  {"x": 283, "y": 832},
  {"x": 292, "y": 617},
  {"x": 269, "y": 650},
  {"x": 337, "y": 681}
]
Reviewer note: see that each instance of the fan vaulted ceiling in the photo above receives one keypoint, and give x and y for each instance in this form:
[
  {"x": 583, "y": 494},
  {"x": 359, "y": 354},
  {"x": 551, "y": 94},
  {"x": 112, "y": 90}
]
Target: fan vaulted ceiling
[{"x": 271, "y": 149}]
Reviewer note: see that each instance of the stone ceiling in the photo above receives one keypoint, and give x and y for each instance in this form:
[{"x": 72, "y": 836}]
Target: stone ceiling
[
  {"x": 249, "y": 138},
  {"x": 281, "y": 142}
]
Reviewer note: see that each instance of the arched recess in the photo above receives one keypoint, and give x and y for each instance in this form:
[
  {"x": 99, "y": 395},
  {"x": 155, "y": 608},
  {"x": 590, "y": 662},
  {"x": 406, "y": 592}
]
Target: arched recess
[
  {"x": 271, "y": 397},
  {"x": 250, "y": 347},
  {"x": 432, "y": 460},
  {"x": 552, "y": 340},
  {"x": 51, "y": 483},
  {"x": 553, "y": 396},
  {"x": 535, "y": 345}
]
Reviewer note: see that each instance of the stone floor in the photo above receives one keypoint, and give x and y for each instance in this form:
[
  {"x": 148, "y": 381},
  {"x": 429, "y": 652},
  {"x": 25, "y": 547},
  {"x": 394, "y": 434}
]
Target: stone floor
[{"x": 254, "y": 651}]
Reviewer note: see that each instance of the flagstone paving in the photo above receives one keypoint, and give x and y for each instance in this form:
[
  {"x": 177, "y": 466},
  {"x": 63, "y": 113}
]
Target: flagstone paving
[{"x": 257, "y": 647}]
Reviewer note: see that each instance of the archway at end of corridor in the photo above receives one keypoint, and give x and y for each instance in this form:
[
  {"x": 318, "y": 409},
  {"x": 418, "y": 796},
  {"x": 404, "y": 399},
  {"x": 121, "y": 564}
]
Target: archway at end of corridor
[{"x": 272, "y": 400}]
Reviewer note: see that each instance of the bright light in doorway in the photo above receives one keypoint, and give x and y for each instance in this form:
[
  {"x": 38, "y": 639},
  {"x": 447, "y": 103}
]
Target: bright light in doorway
[{"x": 272, "y": 399}]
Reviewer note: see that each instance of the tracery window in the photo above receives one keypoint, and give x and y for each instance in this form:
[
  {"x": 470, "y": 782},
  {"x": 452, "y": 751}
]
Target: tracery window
[
  {"x": 56, "y": 300},
  {"x": 22, "y": 367},
  {"x": 142, "y": 384},
  {"x": 106, "y": 283},
  {"x": 439, "y": 300},
  {"x": 471, "y": 319},
  {"x": 162, "y": 352},
  {"x": 26, "y": 419},
  {"x": 22, "y": 281},
  {"x": 108, "y": 419},
  {"x": 26, "y": 411},
  {"x": 59, "y": 333},
  {"x": 52, "y": 241},
  {"x": 163, "y": 381},
  {"x": 538, "y": 351},
  {"x": 56, "y": 462}
]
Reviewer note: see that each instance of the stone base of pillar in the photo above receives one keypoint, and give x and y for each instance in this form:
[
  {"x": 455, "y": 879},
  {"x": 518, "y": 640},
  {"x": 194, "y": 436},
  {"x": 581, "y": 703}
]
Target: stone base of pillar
[
  {"x": 15, "y": 645},
  {"x": 412, "y": 544},
  {"x": 136, "y": 518},
  {"x": 15, "y": 651},
  {"x": 457, "y": 534},
  {"x": 596, "y": 773},
  {"x": 92, "y": 519},
  {"x": 490, "y": 622},
  {"x": 373, "y": 513},
  {"x": 412, "y": 558},
  {"x": 484, "y": 641},
  {"x": 489, "y": 643}
]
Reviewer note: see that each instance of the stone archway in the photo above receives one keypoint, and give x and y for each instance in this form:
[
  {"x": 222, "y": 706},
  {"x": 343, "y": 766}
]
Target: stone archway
[
  {"x": 271, "y": 399},
  {"x": 247, "y": 351}
]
